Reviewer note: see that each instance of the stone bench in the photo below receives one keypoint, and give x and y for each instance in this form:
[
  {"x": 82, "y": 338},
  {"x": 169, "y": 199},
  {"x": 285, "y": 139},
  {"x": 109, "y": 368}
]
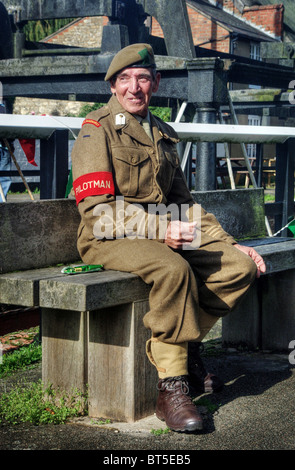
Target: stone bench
[{"x": 92, "y": 331}]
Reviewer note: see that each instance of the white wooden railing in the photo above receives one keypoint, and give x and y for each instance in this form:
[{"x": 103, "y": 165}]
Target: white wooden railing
[{"x": 41, "y": 127}]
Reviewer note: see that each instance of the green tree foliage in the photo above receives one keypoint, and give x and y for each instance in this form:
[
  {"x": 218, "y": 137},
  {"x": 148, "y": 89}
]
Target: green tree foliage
[
  {"x": 163, "y": 113},
  {"x": 37, "y": 30}
]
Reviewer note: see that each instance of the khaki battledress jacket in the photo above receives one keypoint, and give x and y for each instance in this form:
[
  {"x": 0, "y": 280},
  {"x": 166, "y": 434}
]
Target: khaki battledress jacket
[
  {"x": 142, "y": 171},
  {"x": 114, "y": 158}
]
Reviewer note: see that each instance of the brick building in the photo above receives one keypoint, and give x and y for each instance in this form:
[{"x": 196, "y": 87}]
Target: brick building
[
  {"x": 227, "y": 26},
  {"x": 220, "y": 25}
]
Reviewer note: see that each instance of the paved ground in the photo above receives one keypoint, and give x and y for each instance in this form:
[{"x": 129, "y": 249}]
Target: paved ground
[{"x": 255, "y": 412}]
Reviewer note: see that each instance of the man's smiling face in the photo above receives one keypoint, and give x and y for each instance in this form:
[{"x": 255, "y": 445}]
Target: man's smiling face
[{"x": 134, "y": 87}]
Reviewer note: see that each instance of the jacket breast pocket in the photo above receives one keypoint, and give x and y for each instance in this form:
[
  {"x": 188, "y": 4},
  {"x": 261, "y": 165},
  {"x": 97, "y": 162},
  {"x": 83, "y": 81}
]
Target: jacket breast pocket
[{"x": 133, "y": 171}]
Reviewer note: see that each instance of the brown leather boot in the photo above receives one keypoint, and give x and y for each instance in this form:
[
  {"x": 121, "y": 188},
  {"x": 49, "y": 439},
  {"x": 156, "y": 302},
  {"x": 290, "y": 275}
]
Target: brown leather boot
[
  {"x": 175, "y": 406},
  {"x": 199, "y": 379}
]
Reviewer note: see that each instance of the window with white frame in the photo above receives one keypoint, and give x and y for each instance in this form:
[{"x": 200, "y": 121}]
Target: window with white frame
[
  {"x": 253, "y": 120},
  {"x": 255, "y": 54},
  {"x": 255, "y": 50}
]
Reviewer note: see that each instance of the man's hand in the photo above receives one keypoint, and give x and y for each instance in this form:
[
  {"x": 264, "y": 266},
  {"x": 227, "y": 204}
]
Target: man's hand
[
  {"x": 261, "y": 268},
  {"x": 180, "y": 233}
]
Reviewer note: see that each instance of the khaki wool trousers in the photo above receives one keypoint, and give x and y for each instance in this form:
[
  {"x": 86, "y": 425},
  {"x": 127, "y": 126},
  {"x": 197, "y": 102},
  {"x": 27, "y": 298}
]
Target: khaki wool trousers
[{"x": 190, "y": 289}]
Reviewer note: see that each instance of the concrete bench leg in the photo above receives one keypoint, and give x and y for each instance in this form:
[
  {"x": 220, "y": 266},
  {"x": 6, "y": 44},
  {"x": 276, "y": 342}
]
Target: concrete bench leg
[
  {"x": 265, "y": 319},
  {"x": 242, "y": 327},
  {"x": 64, "y": 349},
  {"x": 103, "y": 350},
  {"x": 122, "y": 381},
  {"x": 278, "y": 315}
]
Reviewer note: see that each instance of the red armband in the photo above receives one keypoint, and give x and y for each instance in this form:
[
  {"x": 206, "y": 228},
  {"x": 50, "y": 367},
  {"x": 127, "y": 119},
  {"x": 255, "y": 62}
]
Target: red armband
[{"x": 94, "y": 184}]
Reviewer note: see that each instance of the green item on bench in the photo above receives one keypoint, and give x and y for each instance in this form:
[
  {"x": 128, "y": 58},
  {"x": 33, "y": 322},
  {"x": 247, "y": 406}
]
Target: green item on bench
[
  {"x": 83, "y": 268},
  {"x": 291, "y": 227},
  {"x": 69, "y": 184}
]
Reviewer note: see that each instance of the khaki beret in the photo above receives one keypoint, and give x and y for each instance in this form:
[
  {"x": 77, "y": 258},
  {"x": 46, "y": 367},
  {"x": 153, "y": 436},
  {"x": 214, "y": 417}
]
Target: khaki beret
[{"x": 135, "y": 55}]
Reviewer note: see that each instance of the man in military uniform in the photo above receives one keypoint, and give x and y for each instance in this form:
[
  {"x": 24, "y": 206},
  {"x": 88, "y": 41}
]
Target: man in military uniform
[{"x": 115, "y": 160}]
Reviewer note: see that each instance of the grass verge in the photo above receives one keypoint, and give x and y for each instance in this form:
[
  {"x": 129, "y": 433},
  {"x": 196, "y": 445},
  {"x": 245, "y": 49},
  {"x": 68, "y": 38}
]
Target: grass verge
[
  {"x": 33, "y": 402},
  {"x": 38, "y": 405},
  {"x": 22, "y": 358}
]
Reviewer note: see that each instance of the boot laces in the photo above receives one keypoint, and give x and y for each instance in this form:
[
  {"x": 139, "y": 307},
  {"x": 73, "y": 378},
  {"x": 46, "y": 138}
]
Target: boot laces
[
  {"x": 178, "y": 391},
  {"x": 174, "y": 383}
]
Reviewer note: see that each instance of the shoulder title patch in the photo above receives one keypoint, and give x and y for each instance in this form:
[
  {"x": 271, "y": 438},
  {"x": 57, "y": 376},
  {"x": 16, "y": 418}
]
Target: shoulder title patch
[{"x": 91, "y": 121}]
